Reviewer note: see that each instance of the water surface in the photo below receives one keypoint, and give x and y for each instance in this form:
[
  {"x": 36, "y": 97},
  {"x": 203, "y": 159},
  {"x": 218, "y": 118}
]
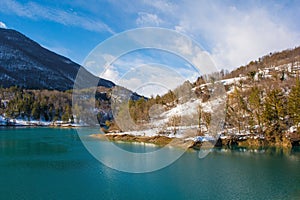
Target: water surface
[{"x": 52, "y": 163}]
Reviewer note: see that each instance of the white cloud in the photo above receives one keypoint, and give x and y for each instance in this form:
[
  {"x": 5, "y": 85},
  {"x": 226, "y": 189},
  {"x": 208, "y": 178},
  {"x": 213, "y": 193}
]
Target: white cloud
[
  {"x": 151, "y": 79},
  {"x": 235, "y": 35},
  {"x": 145, "y": 78},
  {"x": 179, "y": 29},
  {"x": 108, "y": 57},
  {"x": 2, "y": 25},
  {"x": 36, "y": 11},
  {"x": 148, "y": 19},
  {"x": 161, "y": 5},
  {"x": 250, "y": 37},
  {"x": 150, "y": 71},
  {"x": 111, "y": 73}
]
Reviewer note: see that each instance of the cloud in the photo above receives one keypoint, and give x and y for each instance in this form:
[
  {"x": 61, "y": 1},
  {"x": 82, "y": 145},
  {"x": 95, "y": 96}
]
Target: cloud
[
  {"x": 2, "y": 25},
  {"x": 233, "y": 34},
  {"x": 111, "y": 73},
  {"x": 137, "y": 72},
  {"x": 151, "y": 79},
  {"x": 148, "y": 19},
  {"x": 36, "y": 11},
  {"x": 161, "y": 5},
  {"x": 166, "y": 64}
]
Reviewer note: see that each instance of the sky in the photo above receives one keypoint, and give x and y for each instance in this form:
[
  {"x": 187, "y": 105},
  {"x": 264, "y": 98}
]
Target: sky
[{"x": 232, "y": 32}]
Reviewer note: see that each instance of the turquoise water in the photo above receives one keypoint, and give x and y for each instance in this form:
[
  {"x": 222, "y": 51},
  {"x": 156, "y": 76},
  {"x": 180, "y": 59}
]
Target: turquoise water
[{"x": 45, "y": 163}]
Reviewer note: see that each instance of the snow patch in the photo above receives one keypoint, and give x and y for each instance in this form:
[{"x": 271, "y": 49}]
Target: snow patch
[{"x": 2, "y": 25}]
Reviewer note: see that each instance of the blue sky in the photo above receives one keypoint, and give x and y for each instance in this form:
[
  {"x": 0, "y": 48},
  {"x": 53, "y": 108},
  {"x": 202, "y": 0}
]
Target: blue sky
[{"x": 233, "y": 32}]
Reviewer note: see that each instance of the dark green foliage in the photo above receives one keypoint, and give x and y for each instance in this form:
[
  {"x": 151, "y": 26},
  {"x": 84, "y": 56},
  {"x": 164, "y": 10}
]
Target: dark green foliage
[
  {"x": 270, "y": 107},
  {"x": 36, "y": 104},
  {"x": 139, "y": 110},
  {"x": 255, "y": 108},
  {"x": 252, "y": 74},
  {"x": 275, "y": 112},
  {"x": 294, "y": 103},
  {"x": 236, "y": 109}
]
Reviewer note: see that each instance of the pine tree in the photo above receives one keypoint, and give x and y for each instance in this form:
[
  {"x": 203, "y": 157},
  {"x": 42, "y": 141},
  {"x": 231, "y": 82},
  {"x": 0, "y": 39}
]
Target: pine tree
[
  {"x": 255, "y": 108},
  {"x": 67, "y": 114},
  {"x": 274, "y": 112},
  {"x": 294, "y": 104},
  {"x": 236, "y": 110},
  {"x": 36, "y": 111}
]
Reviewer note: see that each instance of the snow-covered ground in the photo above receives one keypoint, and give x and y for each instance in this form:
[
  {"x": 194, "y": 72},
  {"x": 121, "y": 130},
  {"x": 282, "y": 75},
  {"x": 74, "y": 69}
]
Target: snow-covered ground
[
  {"x": 21, "y": 122},
  {"x": 189, "y": 108},
  {"x": 3, "y": 121},
  {"x": 180, "y": 133},
  {"x": 229, "y": 81},
  {"x": 232, "y": 80},
  {"x": 188, "y": 130}
]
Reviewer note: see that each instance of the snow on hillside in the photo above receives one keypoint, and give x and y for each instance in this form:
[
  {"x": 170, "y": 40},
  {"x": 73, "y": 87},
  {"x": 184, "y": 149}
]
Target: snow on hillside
[
  {"x": 191, "y": 108},
  {"x": 2, "y": 121},
  {"x": 231, "y": 81},
  {"x": 155, "y": 132},
  {"x": 38, "y": 67},
  {"x": 160, "y": 125}
]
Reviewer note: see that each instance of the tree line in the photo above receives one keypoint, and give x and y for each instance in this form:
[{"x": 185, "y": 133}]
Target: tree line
[
  {"x": 264, "y": 110},
  {"x": 35, "y": 104}
]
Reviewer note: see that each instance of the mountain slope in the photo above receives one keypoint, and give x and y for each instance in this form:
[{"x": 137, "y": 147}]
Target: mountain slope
[{"x": 25, "y": 63}]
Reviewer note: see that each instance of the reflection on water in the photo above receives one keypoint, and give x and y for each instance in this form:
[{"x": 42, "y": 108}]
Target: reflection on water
[
  {"x": 23, "y": 147},
  {"x": 20, "y": 142},
  {"x": 289, "y": 153},
  {"x": 39, "y": 163},
  {"x": 137, "y": 147},
  {"x": 50, "y": 164}
]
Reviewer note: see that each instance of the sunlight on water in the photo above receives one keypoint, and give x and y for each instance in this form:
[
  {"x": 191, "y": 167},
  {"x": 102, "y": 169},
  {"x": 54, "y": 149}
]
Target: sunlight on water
[{"x": 38, "y": 163}]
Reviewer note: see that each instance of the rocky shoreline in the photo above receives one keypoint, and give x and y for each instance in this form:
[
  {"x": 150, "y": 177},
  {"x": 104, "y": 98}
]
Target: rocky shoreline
[
  {"x": 259, "y": 142},
  {"x": 196, "y": 144},
  {"x": 157, "y": 140}
]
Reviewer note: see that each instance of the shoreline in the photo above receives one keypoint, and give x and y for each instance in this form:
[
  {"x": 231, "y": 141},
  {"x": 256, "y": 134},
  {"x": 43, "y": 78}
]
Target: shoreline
[
  {"x": 40, "y": 126},
  {"x": 182, "y": 142},
  {"x": 187, "y": 143},
  {"x": 158, "y": 140},
  {"x": 43, "y": 124}
]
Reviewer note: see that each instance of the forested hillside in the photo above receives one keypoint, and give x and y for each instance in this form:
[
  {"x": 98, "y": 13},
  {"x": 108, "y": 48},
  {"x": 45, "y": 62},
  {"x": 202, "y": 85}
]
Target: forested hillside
[{"x": 262, "y": 99}]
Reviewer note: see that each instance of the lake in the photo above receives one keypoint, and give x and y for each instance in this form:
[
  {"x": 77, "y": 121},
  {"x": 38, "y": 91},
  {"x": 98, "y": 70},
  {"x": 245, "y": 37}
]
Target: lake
[{"x": 52, "y": 163}]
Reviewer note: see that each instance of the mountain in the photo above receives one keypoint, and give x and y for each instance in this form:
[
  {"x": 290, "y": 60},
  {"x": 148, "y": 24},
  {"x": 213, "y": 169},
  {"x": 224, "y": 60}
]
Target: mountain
[{"x": 26, "y": 64}]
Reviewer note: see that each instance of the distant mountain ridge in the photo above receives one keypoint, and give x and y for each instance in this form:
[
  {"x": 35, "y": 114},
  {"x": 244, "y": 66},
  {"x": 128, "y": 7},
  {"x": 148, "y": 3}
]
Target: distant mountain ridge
[{"x": 24, "y": 63}]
